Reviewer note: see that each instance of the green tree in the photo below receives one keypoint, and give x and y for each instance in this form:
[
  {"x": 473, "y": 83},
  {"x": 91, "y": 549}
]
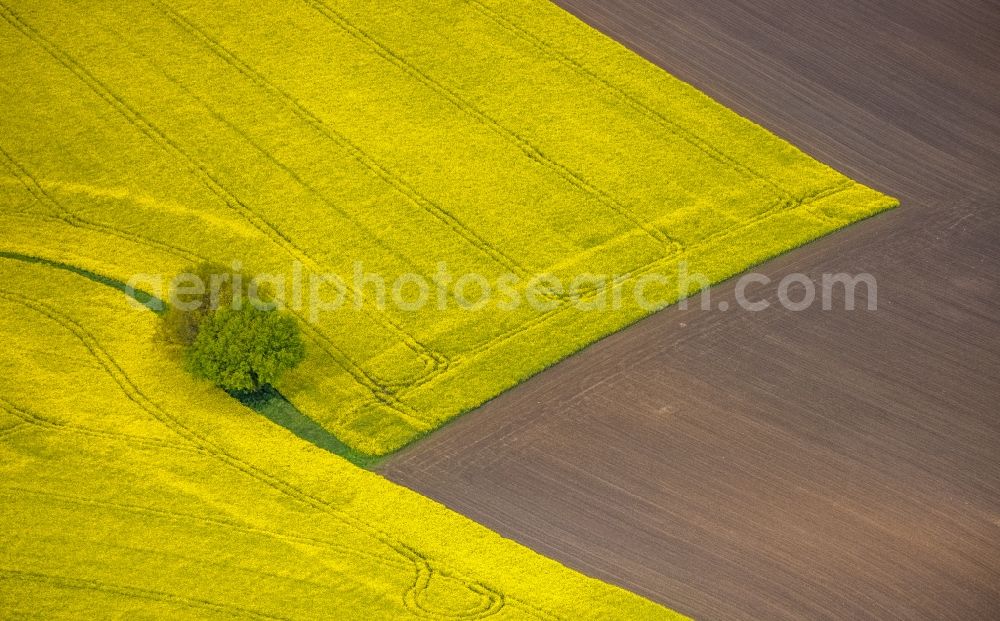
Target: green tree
[
  {"x": 200, "y": 291},
  {"x": 186, "y": 311},
  {"x": 245, "y": 349}
]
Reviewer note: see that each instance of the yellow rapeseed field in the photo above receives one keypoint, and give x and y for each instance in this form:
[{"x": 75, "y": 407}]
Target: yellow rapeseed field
[{"x": 496, "y": 138}]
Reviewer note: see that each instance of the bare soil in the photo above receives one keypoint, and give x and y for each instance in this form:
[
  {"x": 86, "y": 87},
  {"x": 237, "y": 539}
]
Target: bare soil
[{"x": 787, "y": 465}]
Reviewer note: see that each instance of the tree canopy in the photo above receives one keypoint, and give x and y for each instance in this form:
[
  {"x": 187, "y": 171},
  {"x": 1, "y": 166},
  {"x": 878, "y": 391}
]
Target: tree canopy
[{"x": 229, "y": 338}]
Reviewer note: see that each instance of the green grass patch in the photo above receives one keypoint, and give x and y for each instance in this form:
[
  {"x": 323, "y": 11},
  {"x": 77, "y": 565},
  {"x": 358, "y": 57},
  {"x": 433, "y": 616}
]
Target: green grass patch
[
  {"x": 146, "y": 299},
  {"x": 273, "y": 406}
]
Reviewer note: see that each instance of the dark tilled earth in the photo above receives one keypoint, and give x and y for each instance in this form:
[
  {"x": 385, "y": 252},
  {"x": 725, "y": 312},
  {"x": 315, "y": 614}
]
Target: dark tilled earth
[{"x": 787, "y": 465}]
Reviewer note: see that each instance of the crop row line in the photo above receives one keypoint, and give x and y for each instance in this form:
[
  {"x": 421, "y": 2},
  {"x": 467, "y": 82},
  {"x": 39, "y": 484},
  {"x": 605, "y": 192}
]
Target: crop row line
[
  {"x": 33, "y": 419},
  {"x": 130, "y": 591},
  {"x": 214, "y": 521},
  {"x": 16, "y": 427}
]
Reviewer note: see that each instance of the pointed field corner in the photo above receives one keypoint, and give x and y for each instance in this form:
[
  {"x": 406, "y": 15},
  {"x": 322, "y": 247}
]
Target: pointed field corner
[{"x": 499, "y": 140}]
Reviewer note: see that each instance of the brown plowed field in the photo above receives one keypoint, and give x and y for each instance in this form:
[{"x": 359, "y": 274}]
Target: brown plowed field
[{"x": 788, "y": 465}]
